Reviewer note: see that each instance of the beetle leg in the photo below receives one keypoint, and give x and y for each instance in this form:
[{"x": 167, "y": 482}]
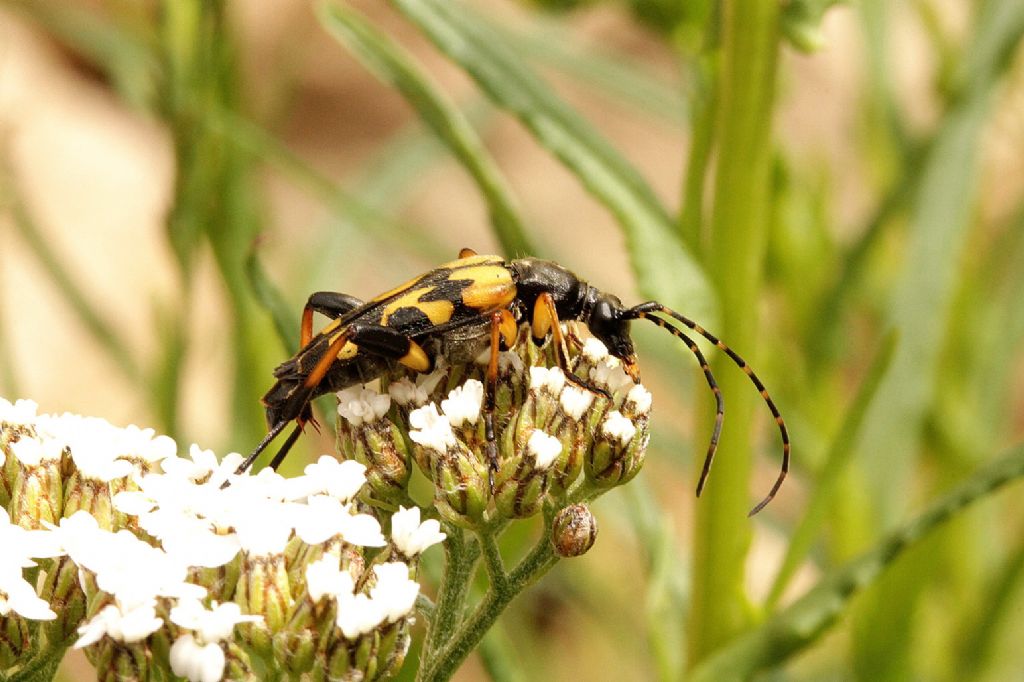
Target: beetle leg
[
  {"x": 327, "y": 303},
  {"x": 545, "y": 321},
  {"x": 490, "y": 390}
]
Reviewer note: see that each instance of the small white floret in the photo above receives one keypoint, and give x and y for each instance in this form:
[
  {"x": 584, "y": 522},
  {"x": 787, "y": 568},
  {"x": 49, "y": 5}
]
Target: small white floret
[
  {"x": 213, "y": 624},
  {"x": 363, "y": 530},
  {"x": 611, "y": 375},
  {"x": 325, "y": 579},
  {"x": 31, "y": 452},
  {"x": 335, "y": 478},
  {"x": 395, "y": 593},
  {"x": 120, "y": 623},
  {"x": 618, "y": 427},
  {"x": 358, "y": 615},
  {"x": 463, "y": 403},
  {"x": 594, "y": 350},
  {"x": 195, "y": 661},
  {"x": 16, "y": 594},
  {"x": 639, "y": 398},
  {"x": 575, "y": 401},
  {"x": 544, "y": 448},
  {"x": 430, "y": 429},
  {"x": 412, "y": 537},
  {"x": 362, "y": 405}
]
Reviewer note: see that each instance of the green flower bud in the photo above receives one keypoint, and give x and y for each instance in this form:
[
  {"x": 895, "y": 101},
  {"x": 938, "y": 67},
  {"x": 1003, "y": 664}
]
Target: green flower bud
[
  {"x": 461, "y": 485},
  {"x": 37, "y": 494},
  {"x": 263, "y": 590},
  {"x": 618, "y": 451},
  {"x": 522, "y": 480},
  {"x": 574, "y": 531},
  {"x": 61, "y": 588},
  {"x": 237, "y": 665},
  {"x": 117, "y": 662},
  {"x": 82, "y": 492},
  {"x": 15, "y": 643}
]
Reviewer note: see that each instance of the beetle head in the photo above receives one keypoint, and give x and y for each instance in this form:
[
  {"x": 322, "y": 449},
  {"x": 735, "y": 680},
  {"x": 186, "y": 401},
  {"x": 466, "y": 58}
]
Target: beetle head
[{"x": 609, "y": 323}]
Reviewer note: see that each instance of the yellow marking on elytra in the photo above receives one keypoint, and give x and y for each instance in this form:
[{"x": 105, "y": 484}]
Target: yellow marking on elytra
[
  {"x": 438, "y": 312},
  {"x": 491, "y": 287},
  {"x": 416, "y": 359},
  {"x": 471, "y": 260},
  {"x": 348, "y": 351}
]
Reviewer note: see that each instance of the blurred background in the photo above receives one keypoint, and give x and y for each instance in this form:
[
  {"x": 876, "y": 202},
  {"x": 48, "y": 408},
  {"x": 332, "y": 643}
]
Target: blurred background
[{"x": 837, "y": 189}]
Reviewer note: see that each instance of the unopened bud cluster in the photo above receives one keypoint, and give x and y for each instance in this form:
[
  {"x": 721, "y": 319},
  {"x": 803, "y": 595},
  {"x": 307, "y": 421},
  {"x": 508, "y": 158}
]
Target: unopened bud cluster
[
  {"x": 114, "y": 544},
  {"x": 553, "y": 432}
]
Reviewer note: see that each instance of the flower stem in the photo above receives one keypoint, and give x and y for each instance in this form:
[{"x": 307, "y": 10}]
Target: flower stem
[
  {"x": 739, "y": 225},
  {"x": 533, "y": 566},
  {"x": 460, "y": 559}
]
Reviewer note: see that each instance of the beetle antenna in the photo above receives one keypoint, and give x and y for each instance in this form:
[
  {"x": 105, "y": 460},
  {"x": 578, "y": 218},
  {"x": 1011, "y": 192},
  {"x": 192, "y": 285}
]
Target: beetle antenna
[
  {"x": 645, "y": 310},
  {"x": 267, "y": 440}
]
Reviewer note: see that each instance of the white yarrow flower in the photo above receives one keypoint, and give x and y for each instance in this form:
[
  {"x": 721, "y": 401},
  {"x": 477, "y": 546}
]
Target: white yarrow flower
[
  {"x": 463, "y": 403},
  {"x": 430, "y": 429},
  {"x": 412, "y": 537},
  {"x": 358, "y": 615},
  {"x": 544, "y": 448},
  {"x": 213, "y": 624},
  {"x": 31, "y": 452},
  {"x": 361, "y": 404},
  {"x": 395, "y": 594},
  {"x": 324, "y": 578},
  {"x": 639, "y": 398},
  {"x": 337, "y": 479},
  {"x": 575, "y": 401},
  {"x": 122, "y": 623},
  {"x": 198, "y": 662},
  {"x": 18, "y": 595},
  {"x": 618, "y": 427}
]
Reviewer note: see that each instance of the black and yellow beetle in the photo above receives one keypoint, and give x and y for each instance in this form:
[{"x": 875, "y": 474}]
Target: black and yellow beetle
[{"x": 466, "y": 304}]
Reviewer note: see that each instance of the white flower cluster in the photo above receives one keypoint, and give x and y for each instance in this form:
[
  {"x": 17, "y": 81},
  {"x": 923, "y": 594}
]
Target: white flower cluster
[{"x": 177, "y": 516}]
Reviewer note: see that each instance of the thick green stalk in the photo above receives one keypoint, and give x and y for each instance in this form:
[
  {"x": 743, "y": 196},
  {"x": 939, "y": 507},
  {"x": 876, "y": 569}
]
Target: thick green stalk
[{"x": 739, "y": 222}]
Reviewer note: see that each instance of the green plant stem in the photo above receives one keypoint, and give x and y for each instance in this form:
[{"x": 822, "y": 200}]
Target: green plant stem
[
  {"x": 540, "y": 559},
  {"x": 492, "y": 559},
  {"x": 460, "y": 560},
  {"x": 740, "y": 220}
]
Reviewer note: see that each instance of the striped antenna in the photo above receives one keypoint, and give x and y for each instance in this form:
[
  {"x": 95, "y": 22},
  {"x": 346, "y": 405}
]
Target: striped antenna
[{"x": 646, "y": 311}]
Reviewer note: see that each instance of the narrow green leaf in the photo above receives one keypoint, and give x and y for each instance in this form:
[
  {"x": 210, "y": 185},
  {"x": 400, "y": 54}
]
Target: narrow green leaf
[
  {"x": 838, "y": 457},
  {"x": 394, "y": 66},
  {"x": 242, "y": 132},
  {"x": 664, "y": 269},
  {"x": 801, "y": 23},
  {"x": 625, "y": 79},
  {"x": 286, "y": 322},
  {"x": 941, "y": 214},
  {"x": 800, "y": 625}
]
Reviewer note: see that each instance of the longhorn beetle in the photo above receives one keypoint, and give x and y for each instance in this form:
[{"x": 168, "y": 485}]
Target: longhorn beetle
[{"x": 479, "y": 298}]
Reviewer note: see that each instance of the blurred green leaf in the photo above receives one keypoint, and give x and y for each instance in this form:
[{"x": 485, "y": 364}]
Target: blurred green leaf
[
  {"x": 801, "y": 624},
  {"x": 394, "y": 66},
  {"x": 257, "y": 141},
  {"x": 286, "y": 322},
  {"x": 836, "y": 460},
  {"x": 664, "y": 269},
  {"x": 941, "y": 214},
  {"x": 801, "y": 23}
]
